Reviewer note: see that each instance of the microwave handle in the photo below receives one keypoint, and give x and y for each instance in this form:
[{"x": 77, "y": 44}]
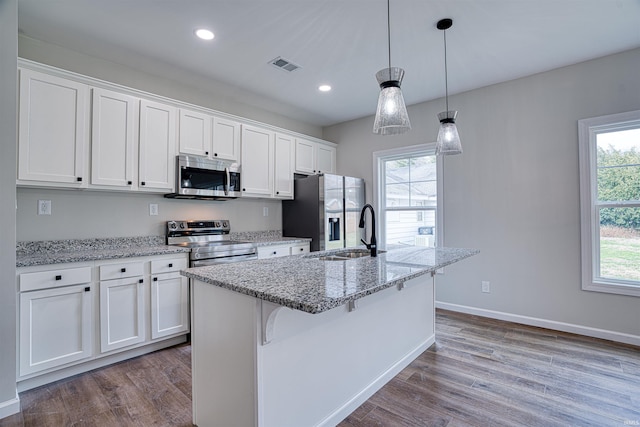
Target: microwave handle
[{"x": 227, "y": 181}]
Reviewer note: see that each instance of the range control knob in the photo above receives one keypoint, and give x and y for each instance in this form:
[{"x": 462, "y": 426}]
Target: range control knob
[
  {"x": 225, "y": 224},
  {"x": 216, "y": 224},
  {"x": 173, "y": 225},
  {"x": 182, "y": 225}
]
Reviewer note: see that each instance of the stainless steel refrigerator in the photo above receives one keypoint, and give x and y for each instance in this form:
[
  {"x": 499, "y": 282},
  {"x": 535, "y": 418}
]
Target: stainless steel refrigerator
[{"x": 327, "y": 209}]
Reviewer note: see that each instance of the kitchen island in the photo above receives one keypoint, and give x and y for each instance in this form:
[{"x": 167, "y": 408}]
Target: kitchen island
[{"x": 304, "y": 340}]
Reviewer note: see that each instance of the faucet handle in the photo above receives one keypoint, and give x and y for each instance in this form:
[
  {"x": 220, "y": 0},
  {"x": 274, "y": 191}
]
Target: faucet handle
[{"x": 366, "y": 244}]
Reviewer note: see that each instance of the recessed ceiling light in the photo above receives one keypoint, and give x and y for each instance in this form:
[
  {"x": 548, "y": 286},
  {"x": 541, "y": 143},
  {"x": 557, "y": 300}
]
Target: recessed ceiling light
[
  {"x": 324, "y": 88},
  {"x": 204, "y": 34}
]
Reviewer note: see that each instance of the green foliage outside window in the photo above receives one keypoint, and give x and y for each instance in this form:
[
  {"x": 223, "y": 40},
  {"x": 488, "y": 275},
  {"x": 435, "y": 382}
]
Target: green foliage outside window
[{"x": 619, "y": 180}]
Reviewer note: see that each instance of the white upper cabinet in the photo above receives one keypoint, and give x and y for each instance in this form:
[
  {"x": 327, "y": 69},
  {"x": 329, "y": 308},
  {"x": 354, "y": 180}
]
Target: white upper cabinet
[
  {"x": 314, "y": 158},
  {"x": 325, "y": 158},
  {"x": 157, "y": 147},
  {"x": 112, "y": 139},
  {"x": 53, "y": 131},
  {"x": 195, "y": 133},
  {"x": 257, "y": 162},
  {"x": 305, "y": 157},
  {"x": 226, "y": 140},
  {"x": 283, "y": 166}
]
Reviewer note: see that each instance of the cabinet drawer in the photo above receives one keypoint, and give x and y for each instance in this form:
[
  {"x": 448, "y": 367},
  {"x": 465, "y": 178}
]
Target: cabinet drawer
[
  {"x": 121, "y": 270},
  {"x": 300, "y": 249},
  {"x": 160, "y": 266},
  {"x": 54, "y": 278},
  {"x": 273, "y": 251}
]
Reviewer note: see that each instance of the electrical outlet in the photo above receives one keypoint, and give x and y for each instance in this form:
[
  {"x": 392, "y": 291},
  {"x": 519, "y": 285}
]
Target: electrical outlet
[
  {"x": 265, "y": 211},
  {"x": 44, "y": 207},
  {"x": 153, "y": 209},
  {"x": 486, "y": 286}
]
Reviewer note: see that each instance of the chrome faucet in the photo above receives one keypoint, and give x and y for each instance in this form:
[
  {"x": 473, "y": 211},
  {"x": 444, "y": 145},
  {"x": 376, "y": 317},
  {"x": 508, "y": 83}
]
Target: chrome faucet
[{"x": 372, "y": 245}]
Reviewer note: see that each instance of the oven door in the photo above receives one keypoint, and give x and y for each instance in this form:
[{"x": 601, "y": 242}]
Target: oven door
[{"x": 222, "y": 260}]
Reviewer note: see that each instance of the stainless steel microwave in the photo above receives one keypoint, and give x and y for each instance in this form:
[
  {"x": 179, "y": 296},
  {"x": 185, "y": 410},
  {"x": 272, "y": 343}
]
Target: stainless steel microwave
[{"x": 201, "y": 178}]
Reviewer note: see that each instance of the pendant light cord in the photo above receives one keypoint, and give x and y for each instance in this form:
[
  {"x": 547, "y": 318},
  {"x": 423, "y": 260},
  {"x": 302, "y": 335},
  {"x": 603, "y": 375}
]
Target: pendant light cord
[
  {"x": 446, "y": 82},
  {"x": 389, "y": 32}
]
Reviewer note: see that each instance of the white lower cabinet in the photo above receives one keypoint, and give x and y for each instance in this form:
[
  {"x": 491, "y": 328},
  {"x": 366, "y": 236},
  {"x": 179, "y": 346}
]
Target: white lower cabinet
[
  {"x": 56, "y": 323},
  {"x": 275, "y": 251},
  {"x": 169, "y": 298},
  {"x": 122, "y": 312}
]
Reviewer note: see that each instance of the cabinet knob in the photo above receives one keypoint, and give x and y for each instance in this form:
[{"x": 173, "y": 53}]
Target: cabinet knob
[
  {"x": 215, "y": 154},
  {"x": 302, "y": 249},
  {"x": 87, "y": 289},
  {"x": 143, "y": 183},
  {"x": 58, "y": 277},
  {"x": 170, "y": 265},
  {"x": 206, "y": 152},
  {"x": 314, "y": 171},
  {"x": 141, "y": 281},
  {"x": 274, "y": 252},
  {"x": 277, "y": 192},
  {"x": 244, "y": 189},
  {"x": 155, "y": 279},
  {"x": 123, "y": 270},
  {"x": 79, "y": 179},
  {"x": 129, "y": 182}
]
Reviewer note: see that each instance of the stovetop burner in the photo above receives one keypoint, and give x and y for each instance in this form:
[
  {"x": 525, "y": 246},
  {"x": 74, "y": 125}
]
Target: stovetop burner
[{"x": 207, "y": 239}]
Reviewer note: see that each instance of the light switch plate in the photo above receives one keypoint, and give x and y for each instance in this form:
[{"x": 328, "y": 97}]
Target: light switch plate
[
  {"x": 44, "y": 207},
  {"x": 486, "y": 286},
  {"x": 153, "y": 209}
]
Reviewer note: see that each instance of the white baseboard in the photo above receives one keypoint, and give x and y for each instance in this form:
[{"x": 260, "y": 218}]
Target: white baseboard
[
  {"x": 353, "y": 404},
  {"x": 10, "y": 407},
  {"x": 543, "y": 323}
]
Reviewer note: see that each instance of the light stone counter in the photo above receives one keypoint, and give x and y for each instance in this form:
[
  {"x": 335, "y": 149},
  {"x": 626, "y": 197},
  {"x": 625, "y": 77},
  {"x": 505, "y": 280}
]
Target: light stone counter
[
  {"x": 306, "y": 283},
  {"x": 77, "y": 250}
]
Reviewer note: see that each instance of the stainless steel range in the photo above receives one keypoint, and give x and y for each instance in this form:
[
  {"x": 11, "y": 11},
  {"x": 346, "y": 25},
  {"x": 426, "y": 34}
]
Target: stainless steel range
[{"x": 209, "y": 242}]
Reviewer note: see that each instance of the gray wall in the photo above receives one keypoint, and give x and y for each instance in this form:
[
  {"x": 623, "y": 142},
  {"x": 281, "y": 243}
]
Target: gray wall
[
  {"x": 78, "y": 214},
  {"x": 514, "y": 192},
  {"x": 85, "y": 214},
  {"x": 8, "y": 58}
]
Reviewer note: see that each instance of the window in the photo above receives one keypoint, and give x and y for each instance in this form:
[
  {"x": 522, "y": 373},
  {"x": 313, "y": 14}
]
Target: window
[
  {"x": 610, "y": 203},
  {"x": 408, "y": 193}
]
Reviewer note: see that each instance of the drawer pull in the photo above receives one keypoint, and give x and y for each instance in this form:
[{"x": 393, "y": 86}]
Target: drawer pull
[
  {"x": 87, "y": 289},
  {"x": 58, "y": 277},
  {"x": 302, "y": 249},
  {"x": 123, "y": 270},
  {"x": 155, "y": 279},
  {"x": 275, "y": 253},
  {"x": 170, "y": 265},
  {"x": 141, "y": 281}
]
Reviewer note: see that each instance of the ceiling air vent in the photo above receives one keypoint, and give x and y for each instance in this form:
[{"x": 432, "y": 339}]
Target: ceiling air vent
[{"x": 283, "y": 64}]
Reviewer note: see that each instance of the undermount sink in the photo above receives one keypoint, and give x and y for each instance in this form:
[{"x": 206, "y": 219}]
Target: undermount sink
[{"x": 346, "y": 255}]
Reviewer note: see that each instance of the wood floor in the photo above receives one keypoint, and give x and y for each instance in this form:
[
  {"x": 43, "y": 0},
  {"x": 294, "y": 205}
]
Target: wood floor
[{"x": 480, "y": 372}]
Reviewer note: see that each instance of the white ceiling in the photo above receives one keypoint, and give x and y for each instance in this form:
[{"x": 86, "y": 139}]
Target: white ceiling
[{"x": 339, "y": 42}]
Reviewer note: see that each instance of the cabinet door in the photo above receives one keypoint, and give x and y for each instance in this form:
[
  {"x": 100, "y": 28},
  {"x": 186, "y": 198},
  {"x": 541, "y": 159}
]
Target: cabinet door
[
  {"x": 169, "y": 305},
  {"x": 53, "y": 133},
  {"x": 305, "y": 157},
  {"x": 194, "y": 133},
  {"x": 283, "y": 166},
  {"x": 257, "y": 162},
  {"x": 157, "y": 147},
  {"x": 226, "y": 140},
  {"x": 121, "y": 313},
  {"x": 325, "y": 159},
  {"x": 112, "y": 138},
  {"x": 55, "y": 327}
]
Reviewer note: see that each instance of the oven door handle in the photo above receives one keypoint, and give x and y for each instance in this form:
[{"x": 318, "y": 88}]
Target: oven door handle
[
  {"x": 222, "y": 260},
  {"x": 227, "y": 181}
]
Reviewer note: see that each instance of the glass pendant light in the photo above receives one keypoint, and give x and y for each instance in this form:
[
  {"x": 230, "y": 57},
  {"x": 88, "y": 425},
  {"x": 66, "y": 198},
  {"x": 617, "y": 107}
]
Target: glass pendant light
[
  {"x": 391, "y": 114},
  {"x": 448, "y": 139}
]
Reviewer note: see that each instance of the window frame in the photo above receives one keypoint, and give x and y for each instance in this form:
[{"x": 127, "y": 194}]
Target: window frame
[
  {"x": 398, "y": 153},
  {"x": 588, "y": 129}
]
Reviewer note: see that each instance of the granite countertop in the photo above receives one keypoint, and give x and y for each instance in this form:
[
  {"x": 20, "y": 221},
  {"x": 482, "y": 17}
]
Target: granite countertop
[
  {"x": 45, "y": 252},
  {"x": 77, "y": 250},
  {"x": 306, "y": 283},
  {"x": 267, "y": 238}
]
